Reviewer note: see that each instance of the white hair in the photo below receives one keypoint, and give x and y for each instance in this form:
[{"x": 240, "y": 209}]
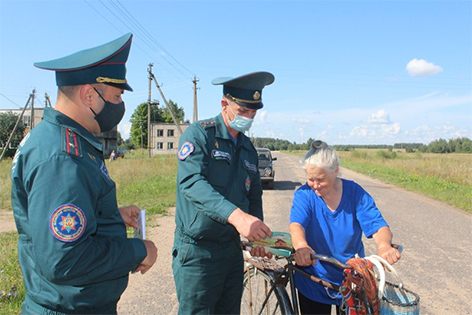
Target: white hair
[{"x": 321, "y": 155}]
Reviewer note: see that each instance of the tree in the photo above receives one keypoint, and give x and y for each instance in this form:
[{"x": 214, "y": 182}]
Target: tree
[
  {"x": 139, "y": 120},
  {"x": 178, "y": 112},
  {"x": 7, "y": 123}
]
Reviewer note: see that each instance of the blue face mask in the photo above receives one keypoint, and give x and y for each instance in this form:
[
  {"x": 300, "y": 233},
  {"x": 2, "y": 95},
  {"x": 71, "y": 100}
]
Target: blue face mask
[{"x": 240, "y": 123}]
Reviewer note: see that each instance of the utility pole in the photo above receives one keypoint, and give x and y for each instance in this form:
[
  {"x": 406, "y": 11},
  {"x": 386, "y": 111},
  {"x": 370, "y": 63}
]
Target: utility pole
[
  {"x": 16, "y": 125},
  {"x": 167, "y": 104},
  {"x": 195, "y": 108},
  {"x": 32, "y": 110},
  {"x": 47, "y": 100},
  {"x": 149, "y": 110}
]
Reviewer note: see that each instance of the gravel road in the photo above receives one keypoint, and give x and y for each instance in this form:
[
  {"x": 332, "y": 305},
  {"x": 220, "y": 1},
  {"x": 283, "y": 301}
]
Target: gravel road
[{"x": 436, "y": 261}]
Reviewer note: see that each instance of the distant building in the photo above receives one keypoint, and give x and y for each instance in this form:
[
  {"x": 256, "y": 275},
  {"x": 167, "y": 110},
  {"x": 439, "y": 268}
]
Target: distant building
[
  {"x": 109, "y": 139},
  {"x": 165, "y": 137}
]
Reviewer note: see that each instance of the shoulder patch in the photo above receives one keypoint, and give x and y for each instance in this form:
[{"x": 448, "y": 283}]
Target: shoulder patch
[
  {"x": 185, "y": 150},
  {"x": 71, "y": 142},
  {"x": 208, "y": 123},
  {"x": 67, "y": 223}
]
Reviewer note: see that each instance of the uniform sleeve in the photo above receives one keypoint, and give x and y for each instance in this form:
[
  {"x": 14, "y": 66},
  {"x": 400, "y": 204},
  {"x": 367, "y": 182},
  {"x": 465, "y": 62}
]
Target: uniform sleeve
[
  {"x": 192, "y": 178},
  {"x": 90, "y": 254},
  {"x": 255, "y": 198},
  {"x": 369, "y": 216}
]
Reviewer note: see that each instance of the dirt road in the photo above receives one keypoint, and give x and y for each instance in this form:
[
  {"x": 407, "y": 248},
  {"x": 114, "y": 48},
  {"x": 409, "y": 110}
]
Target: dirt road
[{"x": 436, "y": 261}]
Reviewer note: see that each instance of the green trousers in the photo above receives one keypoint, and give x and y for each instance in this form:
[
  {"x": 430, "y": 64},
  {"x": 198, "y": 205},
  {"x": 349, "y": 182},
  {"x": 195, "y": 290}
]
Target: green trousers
[{"x": 208, "y": 276}]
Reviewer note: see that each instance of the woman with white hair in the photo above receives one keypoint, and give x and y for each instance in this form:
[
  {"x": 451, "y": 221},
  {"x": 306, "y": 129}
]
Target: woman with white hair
[{"x": 328, "y": 216}]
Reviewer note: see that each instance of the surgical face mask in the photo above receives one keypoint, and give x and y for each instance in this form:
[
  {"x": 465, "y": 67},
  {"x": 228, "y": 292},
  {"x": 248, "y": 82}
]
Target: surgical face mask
[
  {"x": 111, "y": 114},
  {"x": 240, "y": 123}
]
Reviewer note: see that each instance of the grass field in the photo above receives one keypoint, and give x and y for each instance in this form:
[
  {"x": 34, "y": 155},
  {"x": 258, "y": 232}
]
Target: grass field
[{"x": 444, "y": 177}]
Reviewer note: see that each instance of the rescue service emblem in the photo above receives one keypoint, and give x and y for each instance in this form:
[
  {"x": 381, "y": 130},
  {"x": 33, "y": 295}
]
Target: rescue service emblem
[
  {"x": 67, "y": 223},
  {"x": 186, "y": 149},
  {"x": 248, "y": 183}
]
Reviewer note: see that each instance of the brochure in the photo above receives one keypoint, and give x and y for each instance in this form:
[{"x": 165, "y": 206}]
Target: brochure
[
  {"x": 279, "y": 244},
  {"x": 140, "y": 232}
]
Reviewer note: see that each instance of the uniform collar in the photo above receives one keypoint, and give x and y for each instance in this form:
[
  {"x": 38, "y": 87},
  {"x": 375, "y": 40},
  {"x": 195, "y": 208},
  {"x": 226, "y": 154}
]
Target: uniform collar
[{"x": 55, "y": 117}]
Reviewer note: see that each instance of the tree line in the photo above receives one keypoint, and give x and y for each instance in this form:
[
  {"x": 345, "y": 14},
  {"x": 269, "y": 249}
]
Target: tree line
[
  {"x": 138, "y": 135},
  {"x": 456, "y": 145}
]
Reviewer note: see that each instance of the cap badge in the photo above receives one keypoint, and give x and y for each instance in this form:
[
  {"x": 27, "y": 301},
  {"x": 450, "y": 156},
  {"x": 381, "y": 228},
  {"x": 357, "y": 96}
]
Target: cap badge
[{"x": 256, "y": 95}]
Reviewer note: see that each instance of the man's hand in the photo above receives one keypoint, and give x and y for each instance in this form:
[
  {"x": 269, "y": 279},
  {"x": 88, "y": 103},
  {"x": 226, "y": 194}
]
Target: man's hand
[
  {"x": 150, "y": 259},
  {"x": 303, "y": 256},
  {"x": 130, "y": 215},
  {"x": 249, "y": 226}
]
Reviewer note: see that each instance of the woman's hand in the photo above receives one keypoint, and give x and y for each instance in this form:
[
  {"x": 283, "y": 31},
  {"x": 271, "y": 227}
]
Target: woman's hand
[
  {"x": 259, "y": 251},
  {"x": 390, "y": 254},
  {"x": 303, "y": 256}
]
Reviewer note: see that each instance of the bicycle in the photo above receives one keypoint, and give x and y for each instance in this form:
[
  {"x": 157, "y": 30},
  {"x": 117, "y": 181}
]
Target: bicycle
[{"x": 266, "y": 282}]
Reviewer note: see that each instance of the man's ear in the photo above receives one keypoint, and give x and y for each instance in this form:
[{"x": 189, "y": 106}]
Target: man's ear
[{"x": 87, "y": 95}]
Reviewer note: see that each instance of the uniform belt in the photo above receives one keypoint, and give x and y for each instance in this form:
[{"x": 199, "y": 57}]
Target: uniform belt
[{"x": 190, "y": 240}]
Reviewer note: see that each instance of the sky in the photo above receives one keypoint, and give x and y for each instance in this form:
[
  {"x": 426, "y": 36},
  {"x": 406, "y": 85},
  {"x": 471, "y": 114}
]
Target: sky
[{"x": 346, "y": 72}]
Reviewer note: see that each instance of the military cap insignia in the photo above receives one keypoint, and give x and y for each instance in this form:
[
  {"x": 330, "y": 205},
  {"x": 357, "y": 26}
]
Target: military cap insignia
[
  {"x": 256, "y": 95},
  {"x": 186, "y": 149},
  {"x": 67, "y": 223}
]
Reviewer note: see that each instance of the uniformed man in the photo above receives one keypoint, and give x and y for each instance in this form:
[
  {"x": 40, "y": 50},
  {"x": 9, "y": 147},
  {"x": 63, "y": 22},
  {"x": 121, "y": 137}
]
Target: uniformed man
[
  {"x": 73, "y": 249},
  {"x": 219, "y": 198}
]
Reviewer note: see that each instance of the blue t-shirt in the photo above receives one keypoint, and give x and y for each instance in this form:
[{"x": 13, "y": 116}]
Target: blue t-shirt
[{"x": 337, "y": 234}]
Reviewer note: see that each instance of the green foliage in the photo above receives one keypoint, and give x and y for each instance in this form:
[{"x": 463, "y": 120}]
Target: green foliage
[
  {"x": 12, "y": 290},
  {"x": 5, "y": 184},
  {"x": 139, "y": 120},
  {"x": 386, "y": 154},
  {"x": 7, "y": 123}
]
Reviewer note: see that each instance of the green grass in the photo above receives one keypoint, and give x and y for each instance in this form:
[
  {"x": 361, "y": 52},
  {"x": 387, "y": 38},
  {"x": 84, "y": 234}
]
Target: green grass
[
  {"x": 148, "y": 183},
  {"x": 5, "y": 184},
  {"x": 12, "y": 290},
  {"x": 444, "y": 177}
]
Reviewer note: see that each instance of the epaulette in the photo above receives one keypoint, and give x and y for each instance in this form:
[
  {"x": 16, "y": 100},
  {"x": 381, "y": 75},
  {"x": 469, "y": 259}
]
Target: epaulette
[
  {"x": 208, "y": 123},
  {"x": 71, "y": 142}
]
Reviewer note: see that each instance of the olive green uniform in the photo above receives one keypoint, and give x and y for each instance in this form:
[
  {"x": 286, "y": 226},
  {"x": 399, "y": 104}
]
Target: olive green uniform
[
  {"x": 73, "y": 249},
  {"x": 215, "y": 177}
]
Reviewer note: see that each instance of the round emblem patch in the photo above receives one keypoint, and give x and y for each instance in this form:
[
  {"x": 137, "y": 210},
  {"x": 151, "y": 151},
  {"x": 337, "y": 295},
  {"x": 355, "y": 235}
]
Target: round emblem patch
[
  {"x": 67, "y": 223},
  {"x": 248, "y": 183},
  {"x": 186, "y": 149}
]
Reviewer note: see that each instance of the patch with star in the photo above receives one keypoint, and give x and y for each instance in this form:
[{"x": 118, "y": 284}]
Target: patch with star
[
  {"x": 67, "y": 223},
  {"x": 185, "y": 150}
]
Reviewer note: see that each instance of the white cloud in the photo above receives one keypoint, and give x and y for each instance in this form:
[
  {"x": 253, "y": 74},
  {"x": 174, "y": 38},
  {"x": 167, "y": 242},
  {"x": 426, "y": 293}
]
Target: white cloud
[
  {"x": 380, "y": 117},
  {"x": 125, "y": 129},
  {"x": 422, "y": 68}
]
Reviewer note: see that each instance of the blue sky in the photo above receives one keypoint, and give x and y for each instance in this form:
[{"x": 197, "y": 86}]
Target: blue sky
[{"x": 346, "y": 72}]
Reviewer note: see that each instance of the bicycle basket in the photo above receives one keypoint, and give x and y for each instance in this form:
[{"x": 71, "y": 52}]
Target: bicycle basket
[
  {"x": 399, "y": 301},
  {"x": 394, "y": 298}
]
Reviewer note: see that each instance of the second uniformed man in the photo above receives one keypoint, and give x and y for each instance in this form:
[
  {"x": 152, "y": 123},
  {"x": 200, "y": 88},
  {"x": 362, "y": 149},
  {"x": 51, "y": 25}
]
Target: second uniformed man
[{"x": 219, "y": 198}]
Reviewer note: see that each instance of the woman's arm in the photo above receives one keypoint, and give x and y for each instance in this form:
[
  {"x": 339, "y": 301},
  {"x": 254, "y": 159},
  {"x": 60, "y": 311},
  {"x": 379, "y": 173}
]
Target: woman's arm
[{"x": 383, "y": 238}]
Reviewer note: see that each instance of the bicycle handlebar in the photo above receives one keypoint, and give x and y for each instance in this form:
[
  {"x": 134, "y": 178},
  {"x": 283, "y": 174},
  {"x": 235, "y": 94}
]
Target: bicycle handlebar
[{"x": 331, "y": 260}]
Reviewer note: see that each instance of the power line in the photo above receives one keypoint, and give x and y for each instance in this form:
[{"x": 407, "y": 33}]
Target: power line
[{"x": 127, "y": 19}]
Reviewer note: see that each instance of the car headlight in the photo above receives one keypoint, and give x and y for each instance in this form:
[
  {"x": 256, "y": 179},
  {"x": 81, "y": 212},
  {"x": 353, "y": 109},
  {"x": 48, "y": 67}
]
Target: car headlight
[{"x": 267, "y": 171}]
